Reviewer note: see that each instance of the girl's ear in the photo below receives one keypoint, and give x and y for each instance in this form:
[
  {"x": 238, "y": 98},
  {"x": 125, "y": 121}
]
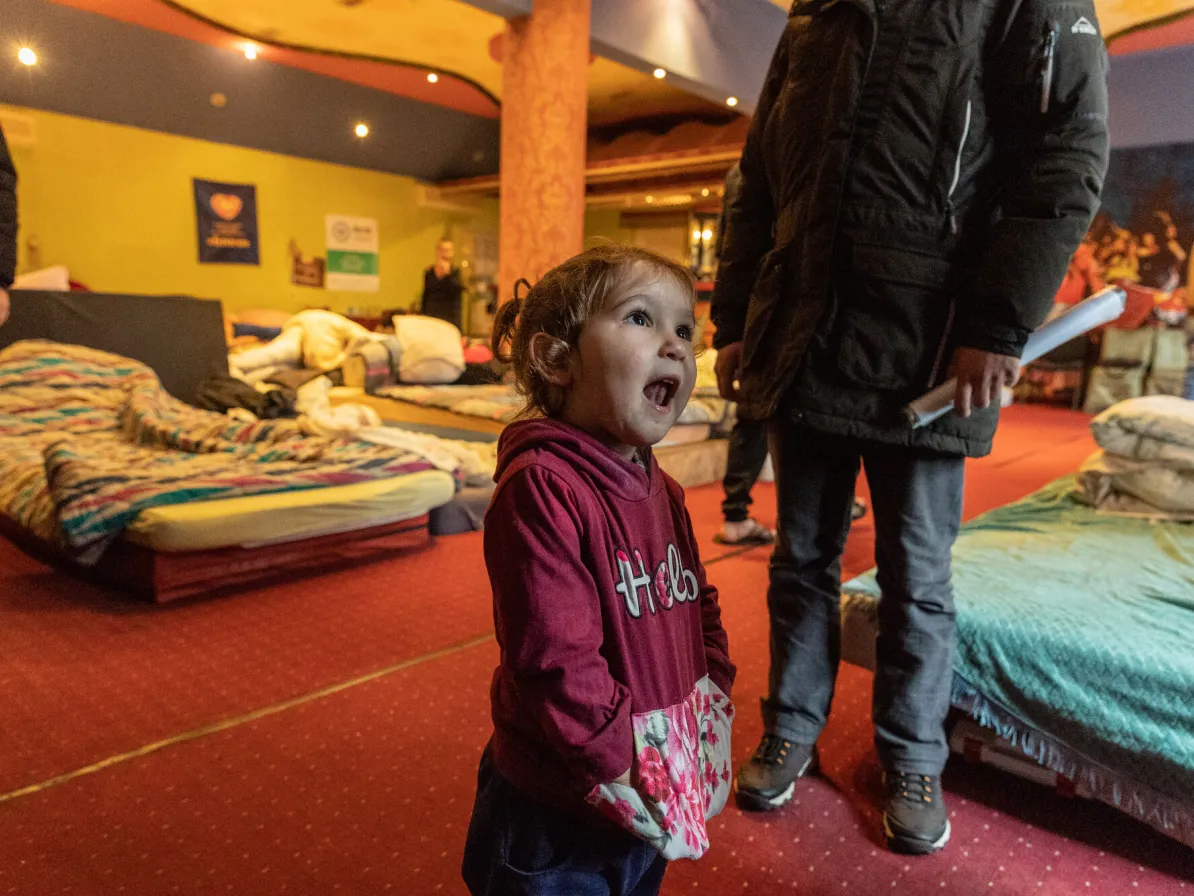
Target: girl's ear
[{"x": 551, "y": 357}]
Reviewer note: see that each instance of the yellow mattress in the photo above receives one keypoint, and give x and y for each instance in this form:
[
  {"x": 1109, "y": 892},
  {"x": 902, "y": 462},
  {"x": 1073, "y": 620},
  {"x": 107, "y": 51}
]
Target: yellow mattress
[
  {"x": 393, "y": 411},
  {"x": 271, "y": 519}
]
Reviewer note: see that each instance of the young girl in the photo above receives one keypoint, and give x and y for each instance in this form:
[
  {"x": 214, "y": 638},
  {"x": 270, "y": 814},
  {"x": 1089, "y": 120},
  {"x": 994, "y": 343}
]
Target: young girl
[{"x": 611, "y": 709}]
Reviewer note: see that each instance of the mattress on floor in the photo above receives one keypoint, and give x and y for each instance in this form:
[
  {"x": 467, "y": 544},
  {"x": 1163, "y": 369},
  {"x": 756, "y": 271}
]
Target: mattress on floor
[
  {"x": 501, "y": 403},
  {"x": 685, "y": 434},
  {"x": 448, "y": 424},
  {"x": 698, "y": 463},
  {"x": 260, "y": 520},
  {"x": 1074, "y": 643},
  {"x": 432, "y": 420}
]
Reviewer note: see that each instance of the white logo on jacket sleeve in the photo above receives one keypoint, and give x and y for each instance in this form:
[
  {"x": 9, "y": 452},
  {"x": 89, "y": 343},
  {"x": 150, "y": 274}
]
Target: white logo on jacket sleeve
[
  {"x": 671, "y": 583},
  {"x": 1084, "y": 26}
]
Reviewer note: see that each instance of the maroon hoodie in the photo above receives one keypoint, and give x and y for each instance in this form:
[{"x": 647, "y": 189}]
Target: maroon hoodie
[{"x": 612, "y": 651}]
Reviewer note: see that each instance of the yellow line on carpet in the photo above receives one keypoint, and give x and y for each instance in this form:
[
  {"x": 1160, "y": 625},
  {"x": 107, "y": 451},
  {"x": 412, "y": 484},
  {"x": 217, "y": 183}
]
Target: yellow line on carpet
[
  {"x": 216, "y": 727},
  {"x": 734, "y": 552},
  {"x": 275, "y": 708}
]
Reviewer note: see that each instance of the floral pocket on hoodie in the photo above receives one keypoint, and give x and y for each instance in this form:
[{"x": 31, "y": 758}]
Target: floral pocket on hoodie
[{"x": 681, "y": 774}]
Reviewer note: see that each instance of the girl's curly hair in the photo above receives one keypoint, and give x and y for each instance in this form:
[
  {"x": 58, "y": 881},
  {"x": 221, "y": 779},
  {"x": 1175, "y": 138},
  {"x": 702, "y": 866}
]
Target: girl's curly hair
[{"x": 559, "y": 305}]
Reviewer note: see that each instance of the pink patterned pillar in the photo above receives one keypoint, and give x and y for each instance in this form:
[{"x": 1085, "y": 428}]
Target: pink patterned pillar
[{"x": 545, "y": 88}]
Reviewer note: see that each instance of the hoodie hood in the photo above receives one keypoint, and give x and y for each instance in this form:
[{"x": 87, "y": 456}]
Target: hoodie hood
[{"x": 555, "y": 442}]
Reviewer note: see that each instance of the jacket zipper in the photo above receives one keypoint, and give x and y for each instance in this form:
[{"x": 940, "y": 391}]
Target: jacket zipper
[
  {"x": 949, "y": 196},
  {"x": 1048, "y": 54}
]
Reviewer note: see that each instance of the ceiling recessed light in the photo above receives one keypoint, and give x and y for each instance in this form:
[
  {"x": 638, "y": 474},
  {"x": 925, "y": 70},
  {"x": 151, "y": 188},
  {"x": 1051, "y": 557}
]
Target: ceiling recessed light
[
  {"x": 660, "y": 73},
  {"x": 361, "y": 130},
  {"x": 705, "y": 192},
  {"x": 432, "y": 77},
  {"x": 731, "y": 101},
  {"x": 219, "y": 100},
  {"x": 250, "y": 51},
  {"x": 27, "y": 56},
  {"x": 650, "y": 199}
]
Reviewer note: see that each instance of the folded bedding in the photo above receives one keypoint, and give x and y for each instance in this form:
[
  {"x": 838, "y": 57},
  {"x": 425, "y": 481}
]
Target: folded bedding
[
  {"x": 90, "y": 440},
  {"x": 1158, "y": 428},
  {"x": 1108, "y": 478},
  {"x": 1145, "y": 465}
]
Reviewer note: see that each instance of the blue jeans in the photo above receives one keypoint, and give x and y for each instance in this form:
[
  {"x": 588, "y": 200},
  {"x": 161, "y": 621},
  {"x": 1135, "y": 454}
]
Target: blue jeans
[
  {"x": 916, "y": 496},
  {"x": 518, "y": 846}
]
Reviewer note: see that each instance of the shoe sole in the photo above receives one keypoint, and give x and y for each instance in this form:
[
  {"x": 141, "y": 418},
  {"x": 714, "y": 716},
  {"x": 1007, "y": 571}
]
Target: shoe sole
[
  {"x": 913, "y": 846},
  {"x": 753, "y": 801}
]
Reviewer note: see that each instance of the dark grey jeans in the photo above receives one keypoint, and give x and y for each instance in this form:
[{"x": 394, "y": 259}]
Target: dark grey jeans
[
  {"x": 744, "y": 463},
  {"x": 916, "y": 497}
]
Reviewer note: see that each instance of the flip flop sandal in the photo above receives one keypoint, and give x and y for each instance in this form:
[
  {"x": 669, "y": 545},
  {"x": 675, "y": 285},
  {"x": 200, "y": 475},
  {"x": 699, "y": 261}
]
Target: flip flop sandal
[{"x": 756, "y": 536}]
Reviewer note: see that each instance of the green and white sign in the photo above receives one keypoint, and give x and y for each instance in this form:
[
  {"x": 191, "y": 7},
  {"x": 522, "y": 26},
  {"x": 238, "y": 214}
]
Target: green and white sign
[{"x": 352, "y": 253}]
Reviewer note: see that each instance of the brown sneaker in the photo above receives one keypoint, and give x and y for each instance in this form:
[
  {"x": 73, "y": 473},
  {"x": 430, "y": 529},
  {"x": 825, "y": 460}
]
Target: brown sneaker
[{"x": 768, "y": 779}]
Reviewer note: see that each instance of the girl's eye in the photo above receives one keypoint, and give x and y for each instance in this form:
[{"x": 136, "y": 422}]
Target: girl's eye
[
  {"x": 684, "y": 333},
  {"x": 638, "y": 318}
]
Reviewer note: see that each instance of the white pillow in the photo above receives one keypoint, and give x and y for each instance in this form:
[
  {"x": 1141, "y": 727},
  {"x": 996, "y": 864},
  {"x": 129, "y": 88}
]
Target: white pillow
[
  {"x": 432, "y": 350},
  {"x": 1159, "y": 429},
  {"x": 55, "y": 279}
]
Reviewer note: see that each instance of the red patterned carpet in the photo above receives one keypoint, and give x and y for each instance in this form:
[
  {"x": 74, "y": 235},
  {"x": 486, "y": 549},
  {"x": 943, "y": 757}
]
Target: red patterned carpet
[{"x": 363, "y": 783}]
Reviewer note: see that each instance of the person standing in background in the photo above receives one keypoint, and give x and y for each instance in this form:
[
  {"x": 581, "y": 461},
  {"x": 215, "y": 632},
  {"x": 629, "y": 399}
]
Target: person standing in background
[
  {"x": 748, "y": 442},
  {"x": 442, "y": 289},
  {"x": 8, "y": 225}
]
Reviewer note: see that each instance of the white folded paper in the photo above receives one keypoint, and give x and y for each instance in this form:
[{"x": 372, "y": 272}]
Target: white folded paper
[{"x": 1101, "y": 308}]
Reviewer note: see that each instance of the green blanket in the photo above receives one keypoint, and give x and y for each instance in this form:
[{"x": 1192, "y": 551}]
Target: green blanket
[{"x": 1082, "y": 626}]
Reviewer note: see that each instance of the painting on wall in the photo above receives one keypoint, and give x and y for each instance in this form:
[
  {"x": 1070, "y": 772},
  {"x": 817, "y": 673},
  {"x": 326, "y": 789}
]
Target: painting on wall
[{"x": 1144, "y": 231}]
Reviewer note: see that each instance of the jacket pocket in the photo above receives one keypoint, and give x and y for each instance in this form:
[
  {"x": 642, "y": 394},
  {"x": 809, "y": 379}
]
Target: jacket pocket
[
  {"x": 680, "y": 776},
  {"x": 894, "y": 308}
]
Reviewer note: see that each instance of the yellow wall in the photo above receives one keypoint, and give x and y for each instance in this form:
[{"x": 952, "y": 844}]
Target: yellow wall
[
  {"x": 604, "y": 223},
  {"x": 671, "y": 240},
  {"x": 115, "y": 205}
]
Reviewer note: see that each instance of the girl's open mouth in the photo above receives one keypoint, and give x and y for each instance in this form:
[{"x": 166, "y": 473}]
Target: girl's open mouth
[{"x": 661, "y": 392}]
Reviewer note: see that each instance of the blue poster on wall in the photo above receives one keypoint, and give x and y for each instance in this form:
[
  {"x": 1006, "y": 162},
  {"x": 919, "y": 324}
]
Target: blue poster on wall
[{"x": 226, "y": 215}]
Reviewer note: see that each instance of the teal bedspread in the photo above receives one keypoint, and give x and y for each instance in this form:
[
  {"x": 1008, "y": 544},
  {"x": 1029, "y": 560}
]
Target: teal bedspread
[{"x": 1082, "y": 627}]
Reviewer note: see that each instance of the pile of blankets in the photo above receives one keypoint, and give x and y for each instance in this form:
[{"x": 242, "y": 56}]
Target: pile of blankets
[
  {"x": 88, "y": 440},
  {"x": 1145, "y": 465}
]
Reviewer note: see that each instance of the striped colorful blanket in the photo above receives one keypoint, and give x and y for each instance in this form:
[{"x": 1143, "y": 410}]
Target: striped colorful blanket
[{"x": 88, "y": 440}]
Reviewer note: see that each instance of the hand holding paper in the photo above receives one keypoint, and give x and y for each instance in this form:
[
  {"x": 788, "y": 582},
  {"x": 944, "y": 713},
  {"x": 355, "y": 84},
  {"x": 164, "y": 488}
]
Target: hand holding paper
[{"x": 1101, "y": 308}]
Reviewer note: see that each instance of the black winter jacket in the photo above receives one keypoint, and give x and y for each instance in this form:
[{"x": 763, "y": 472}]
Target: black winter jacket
[{"x": 916, "y": 178}]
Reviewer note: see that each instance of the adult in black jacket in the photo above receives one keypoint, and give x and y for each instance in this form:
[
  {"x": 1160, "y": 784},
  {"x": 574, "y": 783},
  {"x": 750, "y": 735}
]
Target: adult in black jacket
[
  {"x": 442, "y": 289},
  {"x": 8, "y": 225},
  {"x": 916, "y": 178}
]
